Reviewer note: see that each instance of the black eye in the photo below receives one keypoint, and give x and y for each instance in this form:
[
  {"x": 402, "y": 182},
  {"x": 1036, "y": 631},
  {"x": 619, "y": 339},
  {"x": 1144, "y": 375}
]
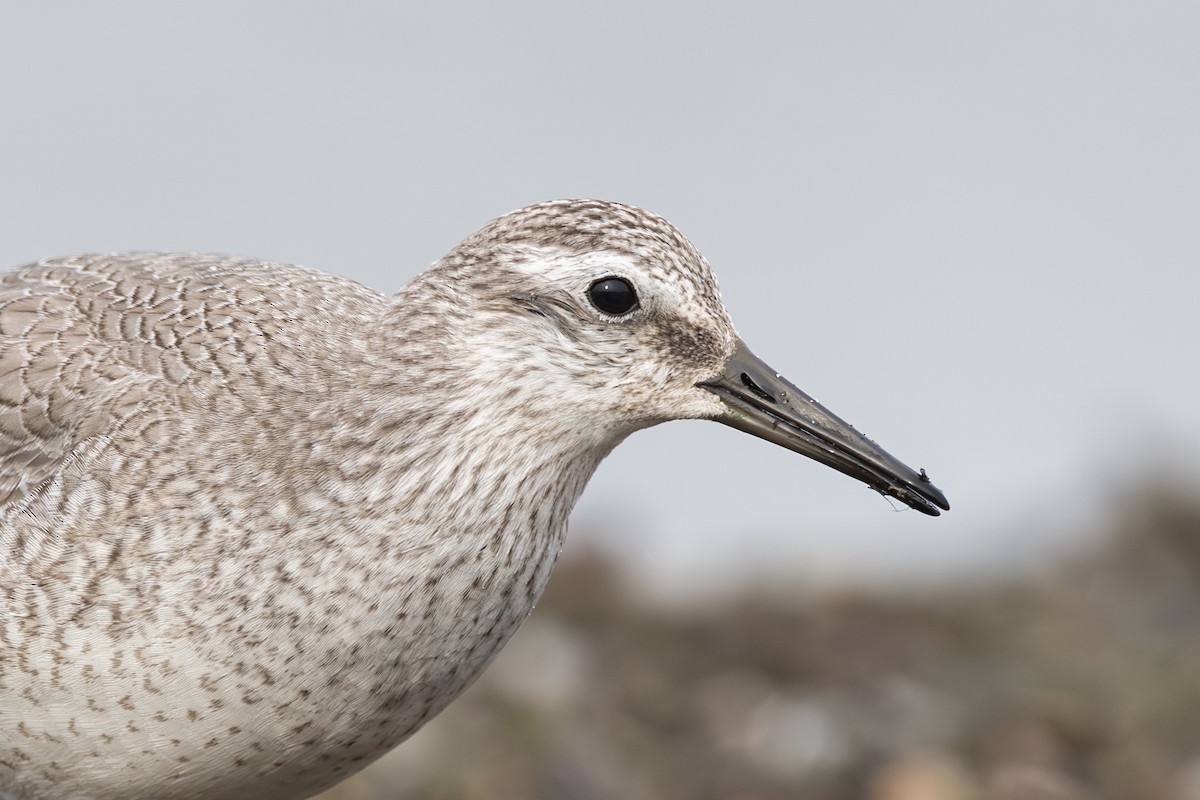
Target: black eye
[{"x": 613, "y": 296}]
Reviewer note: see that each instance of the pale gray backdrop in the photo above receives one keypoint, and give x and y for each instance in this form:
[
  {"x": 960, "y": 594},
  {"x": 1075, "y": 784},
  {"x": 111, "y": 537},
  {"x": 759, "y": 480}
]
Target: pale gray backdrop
[{"x": 971, "y": 229}]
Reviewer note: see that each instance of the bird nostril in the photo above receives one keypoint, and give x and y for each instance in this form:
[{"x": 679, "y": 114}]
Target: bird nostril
[{"x": 749, "y": 383}]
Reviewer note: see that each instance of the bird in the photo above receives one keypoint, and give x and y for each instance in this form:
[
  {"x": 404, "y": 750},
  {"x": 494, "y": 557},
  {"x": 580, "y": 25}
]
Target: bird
[{"x": 259, "y": 523}]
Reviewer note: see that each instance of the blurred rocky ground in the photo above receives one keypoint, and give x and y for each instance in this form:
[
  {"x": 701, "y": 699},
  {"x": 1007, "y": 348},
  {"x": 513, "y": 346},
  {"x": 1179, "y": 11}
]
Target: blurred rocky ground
[{"x": 1079, "y": 683}]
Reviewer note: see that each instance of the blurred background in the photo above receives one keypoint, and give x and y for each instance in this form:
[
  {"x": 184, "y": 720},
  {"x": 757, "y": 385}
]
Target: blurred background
[{"x": 971, "y": 229}]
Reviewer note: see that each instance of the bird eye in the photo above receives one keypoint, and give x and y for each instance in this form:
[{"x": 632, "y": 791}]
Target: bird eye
[{"x": 613, "y": 296}]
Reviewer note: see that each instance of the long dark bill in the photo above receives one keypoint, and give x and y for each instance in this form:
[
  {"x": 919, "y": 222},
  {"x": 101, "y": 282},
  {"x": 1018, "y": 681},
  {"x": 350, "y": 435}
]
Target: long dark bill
[{"x": 762, "y": 402}]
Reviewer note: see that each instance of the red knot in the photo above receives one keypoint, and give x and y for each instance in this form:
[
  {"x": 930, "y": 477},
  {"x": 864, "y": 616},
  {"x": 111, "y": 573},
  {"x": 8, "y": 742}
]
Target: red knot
[{"x": 258, "y": 523}]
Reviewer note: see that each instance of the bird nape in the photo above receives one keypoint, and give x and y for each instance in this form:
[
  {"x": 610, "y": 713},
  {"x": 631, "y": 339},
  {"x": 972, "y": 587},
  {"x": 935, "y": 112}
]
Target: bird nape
[{"x": 259, "y": 523}]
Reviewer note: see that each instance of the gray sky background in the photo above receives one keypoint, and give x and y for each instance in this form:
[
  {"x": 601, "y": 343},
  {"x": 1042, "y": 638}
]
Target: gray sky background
[{"x": 971, "y": 229}]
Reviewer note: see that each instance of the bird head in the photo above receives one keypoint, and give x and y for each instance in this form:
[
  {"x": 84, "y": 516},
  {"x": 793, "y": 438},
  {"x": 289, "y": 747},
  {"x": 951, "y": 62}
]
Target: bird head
[{"x": 616, "y": 319}]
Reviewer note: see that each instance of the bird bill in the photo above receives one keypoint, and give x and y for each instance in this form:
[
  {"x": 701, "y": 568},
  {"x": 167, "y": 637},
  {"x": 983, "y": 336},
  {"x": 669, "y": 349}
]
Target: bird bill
[{"x": 762, "y": 402}]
